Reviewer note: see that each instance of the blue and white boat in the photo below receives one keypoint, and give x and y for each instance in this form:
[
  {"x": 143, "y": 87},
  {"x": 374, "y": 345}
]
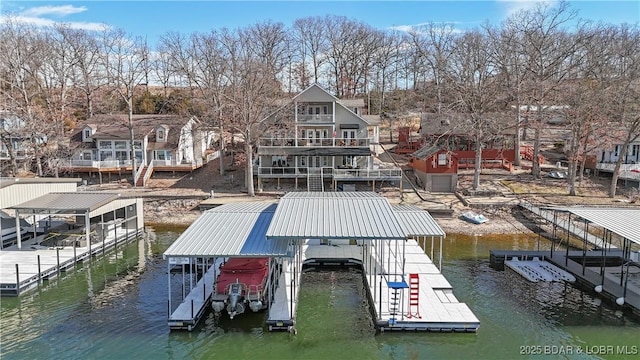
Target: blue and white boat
[{"x": 474, "y": 217}]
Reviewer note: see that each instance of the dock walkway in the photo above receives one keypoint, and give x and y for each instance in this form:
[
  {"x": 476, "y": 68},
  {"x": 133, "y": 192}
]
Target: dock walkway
[
  {"x": 563, "y": 224},
  {"x": 24, "y": 269},
  {"x": 189, "y": 312}
]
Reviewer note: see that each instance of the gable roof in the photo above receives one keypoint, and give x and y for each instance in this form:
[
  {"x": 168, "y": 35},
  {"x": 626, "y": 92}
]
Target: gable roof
[
  {"x": 115, "y": 127},
  {"x": 300, "y": 97}
]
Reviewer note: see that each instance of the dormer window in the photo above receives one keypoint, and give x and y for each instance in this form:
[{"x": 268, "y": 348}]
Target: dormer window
[
  {"x": 87, "y": 133},
  {"x": 161, "y": 133}
]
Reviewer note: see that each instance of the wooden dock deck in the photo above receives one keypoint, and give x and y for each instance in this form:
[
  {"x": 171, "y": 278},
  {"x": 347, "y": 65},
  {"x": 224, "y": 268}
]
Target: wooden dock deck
[
  {"x": 438, "y": 308},
  {"x": 187, "y": 315},
  {"x": 25, "y": 269}
]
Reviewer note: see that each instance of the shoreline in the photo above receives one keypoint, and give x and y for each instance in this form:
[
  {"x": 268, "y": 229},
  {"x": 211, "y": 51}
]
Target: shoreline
[{"x": 182, "y": 213}]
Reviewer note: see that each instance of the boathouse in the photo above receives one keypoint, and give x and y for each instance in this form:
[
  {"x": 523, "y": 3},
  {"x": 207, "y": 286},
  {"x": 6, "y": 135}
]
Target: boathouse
[
  {"x": 406, "y": 289},
  {"x": 65, "y": 228}
]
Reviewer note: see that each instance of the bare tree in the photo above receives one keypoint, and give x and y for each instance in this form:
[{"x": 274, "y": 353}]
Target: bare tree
[
  {"x": 626, "y": 77},
  {"x": 471, "y": 74},
  {"x": 310, "y": 34},
  {"x": 546, "y": 46},
  {"x": 125, "y": 59}
]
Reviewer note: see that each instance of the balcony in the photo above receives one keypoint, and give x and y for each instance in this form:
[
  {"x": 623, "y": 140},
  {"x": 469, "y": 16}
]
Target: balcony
[
  {"x": 314, "y": 142},
  {"x": 627, "y": 171},
  {"x": 289, "y": 171},
  {"x": 367, "y": 174},
  {"x": 355, "y": 174},
  {"x": 317, "y": 118}
]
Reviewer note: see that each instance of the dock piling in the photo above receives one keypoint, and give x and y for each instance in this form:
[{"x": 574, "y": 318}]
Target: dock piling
[
  {"x": 17, "y": 280},
  {"x": 58, "y": 259},
  {"x": 39, "y": 272}
]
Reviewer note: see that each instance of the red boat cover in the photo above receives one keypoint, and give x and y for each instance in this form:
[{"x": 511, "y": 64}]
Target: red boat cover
[{"x": 251, "y": 272}]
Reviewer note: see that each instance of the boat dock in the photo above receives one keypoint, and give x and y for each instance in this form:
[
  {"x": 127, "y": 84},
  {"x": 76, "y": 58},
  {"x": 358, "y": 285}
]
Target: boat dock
[
  {"x": 306, "y": 230},
  {"x": 610, "y": 276},
  {"x": 422, "y": 300},
  {"x": 189, "y": 312},
  {"x": 25, "y": 269}
]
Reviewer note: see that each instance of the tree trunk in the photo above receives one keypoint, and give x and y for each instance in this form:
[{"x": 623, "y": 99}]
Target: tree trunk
[
  {"x": 221, "y": 150},
  {"x": 131, "y": 138},
  {"x": 535, "y": 169},
  {"x": 478, "y": 165},
  {"x": 616, "y": 171},
  {"x": 573, "y": 170},
  {"x": 249, "y": 151},
  {"x": 516, "y": 139}
]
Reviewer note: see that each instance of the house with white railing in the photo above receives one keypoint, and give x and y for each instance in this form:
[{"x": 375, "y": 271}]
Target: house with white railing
[
  {"x": 161, "y": 143},
  {"x": 606, "y": 159},
  {"x": 319, "y": 139}
]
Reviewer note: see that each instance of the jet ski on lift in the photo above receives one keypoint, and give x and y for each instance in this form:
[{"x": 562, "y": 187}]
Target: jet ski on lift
[{"x": 242, "y": 283}]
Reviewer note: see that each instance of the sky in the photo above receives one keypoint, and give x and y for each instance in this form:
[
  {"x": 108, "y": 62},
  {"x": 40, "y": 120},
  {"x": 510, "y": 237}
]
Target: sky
[{"x": 153, "y": 18}]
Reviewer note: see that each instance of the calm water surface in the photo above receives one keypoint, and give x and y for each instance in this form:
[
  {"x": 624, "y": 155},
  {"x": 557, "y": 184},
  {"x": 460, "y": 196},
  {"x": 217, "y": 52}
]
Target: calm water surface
[{"x": 116, "y": 308}]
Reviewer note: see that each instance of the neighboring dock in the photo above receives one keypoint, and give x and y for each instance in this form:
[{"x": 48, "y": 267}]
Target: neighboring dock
[
  {"x": 25, "y": 269},
  {"x": 610, "y": 276}
]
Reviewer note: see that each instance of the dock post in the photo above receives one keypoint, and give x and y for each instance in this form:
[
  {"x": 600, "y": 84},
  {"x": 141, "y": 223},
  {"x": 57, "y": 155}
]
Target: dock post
[
  {"x": 18, "y": 277},
  {"x": 39, "y": 272},
  {"x": 191, "y": 309},
  {"x": 58, "y": 259}
]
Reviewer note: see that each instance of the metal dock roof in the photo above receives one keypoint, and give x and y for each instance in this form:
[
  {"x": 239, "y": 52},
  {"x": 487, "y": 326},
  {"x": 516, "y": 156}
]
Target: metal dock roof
[
  {"x": 236, "y": 229},
  {"x": 624, "y": 222},
  {"x": 334, "y": 215},
  {"x": 416, "y": 221},
  {"x": 61, "y": 202}
]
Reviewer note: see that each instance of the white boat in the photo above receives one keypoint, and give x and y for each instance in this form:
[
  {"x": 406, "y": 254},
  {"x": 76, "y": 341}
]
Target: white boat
[{"x": 474, "y": 217}]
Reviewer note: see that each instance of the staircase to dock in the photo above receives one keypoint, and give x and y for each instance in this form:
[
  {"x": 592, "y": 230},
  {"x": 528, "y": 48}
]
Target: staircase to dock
[{"x": 314, "y": 180}]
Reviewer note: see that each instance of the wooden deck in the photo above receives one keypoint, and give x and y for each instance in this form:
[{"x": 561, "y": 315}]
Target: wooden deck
[
  {"x": 187, "y": 315},
  {"x": 26, "y": 268},
  {"x": 438, "y": 309}
]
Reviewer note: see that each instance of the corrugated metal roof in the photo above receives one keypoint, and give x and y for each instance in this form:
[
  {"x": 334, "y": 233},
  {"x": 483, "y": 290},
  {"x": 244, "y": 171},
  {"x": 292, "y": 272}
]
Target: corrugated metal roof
[
  {"x": 416, "y": 221},
  {"x": 624, "y": 222},
  {"x": 236, "y": 229},
  {"x": 68, "y": 201},
  {"x": 334, "y": 215}
]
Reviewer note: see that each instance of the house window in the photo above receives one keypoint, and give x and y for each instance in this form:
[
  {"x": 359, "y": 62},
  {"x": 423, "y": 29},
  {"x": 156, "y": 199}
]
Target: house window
[
  {"x": 105, "y": 144},
  {"x": 442, "y": 159},
  {"x": 355, "y": 110},
  {"x": 87, "y": 133},
  {"x": 120, "y": 144},
  {"x": 161, "y": 135},
  {"x": 325, "y": 109},
  {"x": 137, "y": 144}
]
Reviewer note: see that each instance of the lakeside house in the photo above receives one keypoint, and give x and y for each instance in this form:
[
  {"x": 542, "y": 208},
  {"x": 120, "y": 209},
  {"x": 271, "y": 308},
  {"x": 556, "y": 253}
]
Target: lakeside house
[
  {"x": 447, "y": 146},
  {"x": 162, "y": 143},
  {"x": 318, "y": 138}
]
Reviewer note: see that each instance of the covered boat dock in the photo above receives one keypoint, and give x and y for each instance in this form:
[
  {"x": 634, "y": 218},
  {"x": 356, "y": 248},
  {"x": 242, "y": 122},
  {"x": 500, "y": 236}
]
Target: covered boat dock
[
  {"x": 406, "y": 289},
  {"x": 77, "y": 226},
  {"x": 608, "y": 261}
]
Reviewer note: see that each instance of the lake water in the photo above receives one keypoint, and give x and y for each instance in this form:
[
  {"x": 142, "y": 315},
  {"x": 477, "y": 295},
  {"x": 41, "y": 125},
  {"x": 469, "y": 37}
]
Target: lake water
[{"x": 116, "y": 308}]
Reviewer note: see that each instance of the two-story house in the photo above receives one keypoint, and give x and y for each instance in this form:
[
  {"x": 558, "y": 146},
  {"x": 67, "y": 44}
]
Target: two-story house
[
  {"x": 15, "y": 147},
  {"x": 161, "y": 143},
  {"x": 317, "y": 138},
  {"x": 605, "y": 156}
]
